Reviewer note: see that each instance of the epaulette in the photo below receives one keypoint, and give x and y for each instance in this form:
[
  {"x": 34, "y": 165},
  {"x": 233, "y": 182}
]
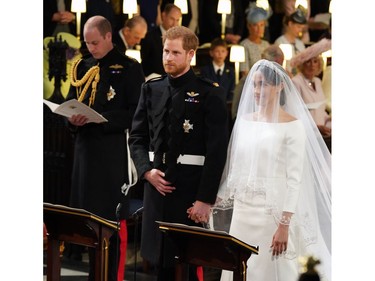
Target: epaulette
[
  {"x": 130, "y": 59},
  {"x": 158, "y": 78},
  {"x": 208, "y": 81}
]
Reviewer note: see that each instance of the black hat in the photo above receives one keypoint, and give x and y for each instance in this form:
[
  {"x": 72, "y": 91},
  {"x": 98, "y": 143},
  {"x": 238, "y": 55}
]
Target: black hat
[{"x": 298, "y": 17}]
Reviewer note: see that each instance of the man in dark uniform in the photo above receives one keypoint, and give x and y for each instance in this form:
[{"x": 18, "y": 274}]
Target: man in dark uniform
[
  {"x": 178, "y": 143},
  {"x": 110, "y": 83}
]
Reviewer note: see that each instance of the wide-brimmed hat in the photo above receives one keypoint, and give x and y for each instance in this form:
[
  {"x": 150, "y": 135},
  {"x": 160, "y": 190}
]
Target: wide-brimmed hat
[{"x": 311, "y": 52}]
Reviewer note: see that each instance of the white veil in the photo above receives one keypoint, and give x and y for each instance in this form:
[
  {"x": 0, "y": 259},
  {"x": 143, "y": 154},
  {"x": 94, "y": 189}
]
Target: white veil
[{"x": 253, "y": 164}]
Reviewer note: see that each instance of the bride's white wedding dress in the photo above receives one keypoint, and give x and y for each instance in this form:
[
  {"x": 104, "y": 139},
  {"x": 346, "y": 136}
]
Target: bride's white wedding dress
[{"x": 272, "y": 186}]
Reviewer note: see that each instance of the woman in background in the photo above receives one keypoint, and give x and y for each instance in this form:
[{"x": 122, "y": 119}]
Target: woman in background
[{"x": 309, "y": 85}]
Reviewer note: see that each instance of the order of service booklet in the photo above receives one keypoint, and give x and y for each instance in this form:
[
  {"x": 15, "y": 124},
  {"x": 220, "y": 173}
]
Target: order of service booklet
[{"x": 74, "y": 107}]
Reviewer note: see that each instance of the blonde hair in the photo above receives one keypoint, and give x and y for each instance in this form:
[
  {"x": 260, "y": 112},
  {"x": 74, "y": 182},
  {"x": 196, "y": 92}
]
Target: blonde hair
[{"x": 320, "y": 67}]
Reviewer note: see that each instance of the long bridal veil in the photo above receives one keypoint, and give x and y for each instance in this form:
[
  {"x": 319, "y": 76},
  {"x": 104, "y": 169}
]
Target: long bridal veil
[{"x": 259, "y": 152}]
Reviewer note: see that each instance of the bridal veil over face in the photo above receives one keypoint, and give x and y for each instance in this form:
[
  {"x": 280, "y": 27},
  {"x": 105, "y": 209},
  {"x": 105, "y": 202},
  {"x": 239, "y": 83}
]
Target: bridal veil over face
[{"x": 260, "y": 156}]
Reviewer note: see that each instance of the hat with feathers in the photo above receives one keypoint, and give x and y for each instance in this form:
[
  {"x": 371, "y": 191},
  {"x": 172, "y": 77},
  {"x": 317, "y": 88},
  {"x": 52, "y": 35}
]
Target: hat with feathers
[{"x": 311, "y": 52}]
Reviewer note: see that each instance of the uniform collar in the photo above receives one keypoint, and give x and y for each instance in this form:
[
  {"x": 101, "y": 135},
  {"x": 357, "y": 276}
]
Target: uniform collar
[
  {"x": 109, "y": 56},
  {"x": 181, "y": 80}
]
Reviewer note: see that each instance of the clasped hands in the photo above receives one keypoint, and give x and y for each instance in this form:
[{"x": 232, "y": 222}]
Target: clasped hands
[
  {"x": 63, "y": 17},
  {"x": 199, "y": 212}
]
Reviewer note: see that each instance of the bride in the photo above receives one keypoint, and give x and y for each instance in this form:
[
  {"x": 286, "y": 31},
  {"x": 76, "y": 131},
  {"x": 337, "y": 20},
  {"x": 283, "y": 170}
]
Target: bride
[{"x": 277, "y": 180}]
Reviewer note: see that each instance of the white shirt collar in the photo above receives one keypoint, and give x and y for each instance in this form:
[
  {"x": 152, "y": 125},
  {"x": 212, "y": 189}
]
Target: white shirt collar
[
  {"x": 162, "y": 30},
  {"x": 123, "y": 39},
  {"x": 216, "y": 67}
]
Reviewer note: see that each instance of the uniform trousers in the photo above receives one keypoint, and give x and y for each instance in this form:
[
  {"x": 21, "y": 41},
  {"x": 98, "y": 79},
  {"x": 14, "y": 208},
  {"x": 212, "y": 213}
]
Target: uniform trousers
[{"x": 116, "y": 255}]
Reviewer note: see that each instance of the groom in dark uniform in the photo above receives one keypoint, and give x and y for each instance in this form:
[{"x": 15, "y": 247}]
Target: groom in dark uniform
[{"x": 178, "y": 143}]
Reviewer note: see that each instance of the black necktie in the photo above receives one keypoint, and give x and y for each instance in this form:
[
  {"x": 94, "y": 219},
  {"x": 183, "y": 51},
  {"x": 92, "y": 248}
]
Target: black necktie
[{"x": 218, "y": 75}]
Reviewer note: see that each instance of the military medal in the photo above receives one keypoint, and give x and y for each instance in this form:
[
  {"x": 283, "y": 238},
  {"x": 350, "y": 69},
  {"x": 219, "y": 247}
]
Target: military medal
[
  {"x": 111, "y": 94},
  {"x": 187, "y": 126}
]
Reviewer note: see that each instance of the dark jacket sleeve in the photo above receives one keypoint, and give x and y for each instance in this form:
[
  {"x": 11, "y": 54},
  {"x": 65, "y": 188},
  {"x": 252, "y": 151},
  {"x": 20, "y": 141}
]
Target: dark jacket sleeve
[
  {"x": 139, "y": 141},
  {"x": 216, "y": 141}
]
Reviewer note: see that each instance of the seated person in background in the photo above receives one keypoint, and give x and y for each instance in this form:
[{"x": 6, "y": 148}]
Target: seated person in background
[
  {"x": 131, "y": 34},
  {"x": 150, "y": 11},
  {"x": 293, "y": 28},
  {"x": 218, "y": 70},
  {"x": 310, "y": 65},
  {"x": 327, "y": 87},
  {"x": 271, "y": 53},
  {"x": 57, "y": 17},
  {"x": 152, "y": 45},
  {"x": 209, "y": 21},
  {"x": 254, "y": 44},
  {"x": 234, "y": 25}
]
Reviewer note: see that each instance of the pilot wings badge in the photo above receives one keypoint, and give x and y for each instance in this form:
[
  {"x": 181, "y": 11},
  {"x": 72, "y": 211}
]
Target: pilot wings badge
[{"x": 192, "y": 96}]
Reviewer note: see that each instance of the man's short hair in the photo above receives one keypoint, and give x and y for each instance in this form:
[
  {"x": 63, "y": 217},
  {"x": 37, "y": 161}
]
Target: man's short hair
[
  {"x": 169, "y": 7},
  {"x": 189, "y": 39},
  {"x": 101, "y": 23},
  {"x": 132, "y": 22},
  {"x": 273, "y": 53}
]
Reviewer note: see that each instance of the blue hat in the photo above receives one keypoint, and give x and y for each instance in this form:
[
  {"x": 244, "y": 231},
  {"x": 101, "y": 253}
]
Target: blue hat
[{"x": 256, "y": 14}]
